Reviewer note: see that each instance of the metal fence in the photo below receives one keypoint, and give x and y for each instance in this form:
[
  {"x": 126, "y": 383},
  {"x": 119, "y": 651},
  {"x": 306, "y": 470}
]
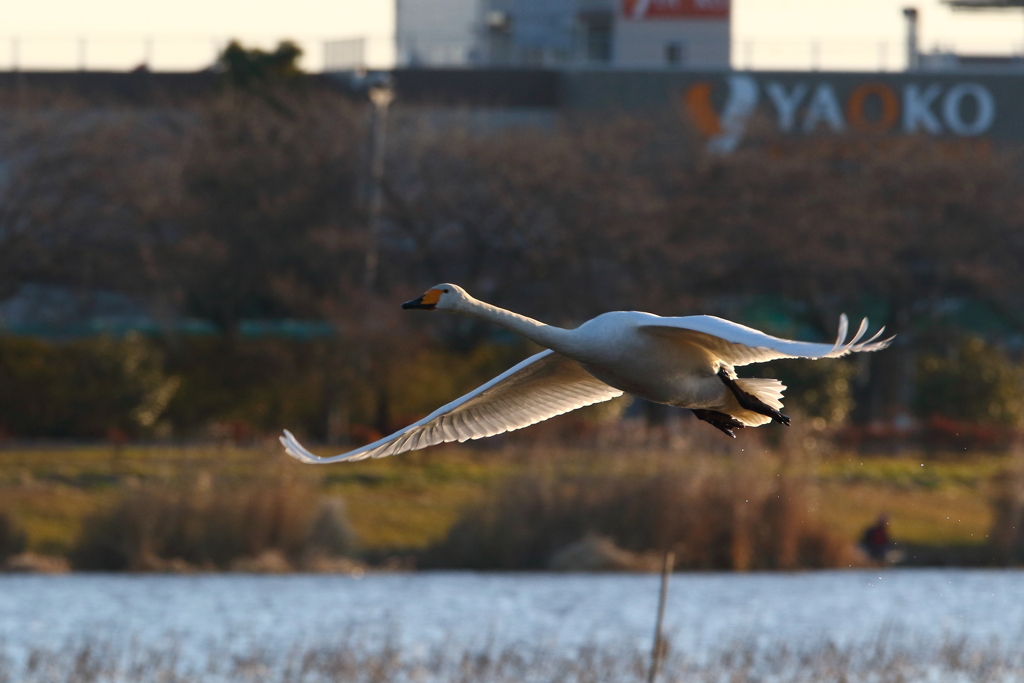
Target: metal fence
[
  {"x": 179, "y": 52},
  {"x": 347, "y": 54},
  {"x": 325, "y": 53}
]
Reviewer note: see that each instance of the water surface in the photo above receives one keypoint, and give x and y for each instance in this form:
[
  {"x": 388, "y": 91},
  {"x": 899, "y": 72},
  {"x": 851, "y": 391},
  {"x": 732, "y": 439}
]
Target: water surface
[{"x": 560, "y": 612}]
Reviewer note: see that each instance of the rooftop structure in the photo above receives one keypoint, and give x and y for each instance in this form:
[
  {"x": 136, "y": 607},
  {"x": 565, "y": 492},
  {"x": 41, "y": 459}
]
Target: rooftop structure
[
  {"x": 940, "y": 60},
  {"x": 518, "y": 33},
  {"x": 984, "y": 4}
]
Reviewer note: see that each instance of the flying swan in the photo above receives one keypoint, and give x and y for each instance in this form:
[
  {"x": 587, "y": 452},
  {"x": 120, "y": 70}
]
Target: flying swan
[{"x": 687, "y": 362}]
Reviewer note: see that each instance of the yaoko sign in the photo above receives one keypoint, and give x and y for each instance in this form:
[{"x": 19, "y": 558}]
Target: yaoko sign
[{"x": 721, "y": 106}]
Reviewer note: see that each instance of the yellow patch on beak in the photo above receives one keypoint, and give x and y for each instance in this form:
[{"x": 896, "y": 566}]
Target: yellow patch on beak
[{"x": 431, "y": 297}]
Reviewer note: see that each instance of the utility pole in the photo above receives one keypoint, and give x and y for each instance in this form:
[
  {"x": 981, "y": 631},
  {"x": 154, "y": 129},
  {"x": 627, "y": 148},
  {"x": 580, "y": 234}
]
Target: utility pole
[
  {"x": 381, "y": 96},
  {"x": 913, "y": 51}
]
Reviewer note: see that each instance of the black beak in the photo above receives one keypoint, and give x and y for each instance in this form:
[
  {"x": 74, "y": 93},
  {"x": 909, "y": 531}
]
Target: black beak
[{"x": 418, "y": 303}]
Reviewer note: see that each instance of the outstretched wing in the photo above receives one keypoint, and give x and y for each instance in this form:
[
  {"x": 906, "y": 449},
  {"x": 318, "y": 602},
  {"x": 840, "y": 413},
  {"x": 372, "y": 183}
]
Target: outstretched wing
[
  {"x": 736, "y": 344},
  {"x": 539, "y": 388}
]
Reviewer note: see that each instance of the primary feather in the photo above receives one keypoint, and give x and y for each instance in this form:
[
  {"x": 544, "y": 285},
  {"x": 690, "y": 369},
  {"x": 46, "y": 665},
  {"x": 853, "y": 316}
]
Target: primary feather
[{"x": 541, "y": 387}]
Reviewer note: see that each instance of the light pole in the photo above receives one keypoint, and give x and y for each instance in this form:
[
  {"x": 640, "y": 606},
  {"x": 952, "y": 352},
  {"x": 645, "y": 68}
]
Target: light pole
[
  {"x": 913, "y": 51},
  {"x": 381, "y": 96}
]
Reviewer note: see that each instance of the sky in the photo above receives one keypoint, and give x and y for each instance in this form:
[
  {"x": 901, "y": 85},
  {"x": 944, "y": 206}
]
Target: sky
[{"x": 186, "y": 34}]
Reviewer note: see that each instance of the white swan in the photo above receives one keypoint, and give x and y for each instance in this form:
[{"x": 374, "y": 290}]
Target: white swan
[{"x": 686, "y": 362}]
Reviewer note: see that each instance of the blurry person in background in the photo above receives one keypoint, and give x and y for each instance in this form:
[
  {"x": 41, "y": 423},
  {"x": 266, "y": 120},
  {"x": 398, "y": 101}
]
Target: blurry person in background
[{"x": 875, "y": 540}]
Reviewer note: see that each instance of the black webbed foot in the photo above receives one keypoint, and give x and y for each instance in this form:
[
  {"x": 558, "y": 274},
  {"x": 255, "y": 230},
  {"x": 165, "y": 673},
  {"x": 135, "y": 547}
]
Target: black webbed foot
[
  {"x": 751, "y": 402},
  {"x": 721, "y": 421}
]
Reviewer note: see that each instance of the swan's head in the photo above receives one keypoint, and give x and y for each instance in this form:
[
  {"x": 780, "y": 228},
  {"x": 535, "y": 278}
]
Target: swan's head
[{"x": 445, "y": 297}]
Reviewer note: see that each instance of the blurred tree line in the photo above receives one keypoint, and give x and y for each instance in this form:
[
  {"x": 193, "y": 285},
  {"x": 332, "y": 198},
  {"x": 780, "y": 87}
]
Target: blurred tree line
[{"x": 252, "y": 204}]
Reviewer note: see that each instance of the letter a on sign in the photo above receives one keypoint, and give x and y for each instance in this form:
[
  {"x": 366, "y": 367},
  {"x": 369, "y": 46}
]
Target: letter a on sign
[{"x": 824, "y": 108}]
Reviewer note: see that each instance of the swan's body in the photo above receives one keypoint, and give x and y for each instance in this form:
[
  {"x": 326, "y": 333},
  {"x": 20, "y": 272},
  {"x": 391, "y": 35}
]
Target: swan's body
[{"x": 686, "y": 362}]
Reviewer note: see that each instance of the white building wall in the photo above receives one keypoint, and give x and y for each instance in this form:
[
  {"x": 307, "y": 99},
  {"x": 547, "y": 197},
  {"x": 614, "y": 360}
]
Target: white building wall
[
  {"x": 436, "y": 32},
  {"x": 645, "y": 33},
  {"x": 699, "y": 43}
]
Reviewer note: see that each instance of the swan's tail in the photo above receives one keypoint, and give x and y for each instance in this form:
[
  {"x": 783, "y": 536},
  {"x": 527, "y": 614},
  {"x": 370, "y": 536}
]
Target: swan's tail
[{"x": 768, "y": 391}]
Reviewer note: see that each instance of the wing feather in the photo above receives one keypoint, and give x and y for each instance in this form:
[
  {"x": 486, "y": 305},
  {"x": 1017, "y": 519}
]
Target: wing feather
[
  {"x": 737, "y": 345},
  {"x": 541, "y": 387}
]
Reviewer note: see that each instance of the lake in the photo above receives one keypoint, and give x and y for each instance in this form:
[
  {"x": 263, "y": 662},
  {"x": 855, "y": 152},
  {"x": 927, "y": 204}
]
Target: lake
[{"x": 477, "y": 611}]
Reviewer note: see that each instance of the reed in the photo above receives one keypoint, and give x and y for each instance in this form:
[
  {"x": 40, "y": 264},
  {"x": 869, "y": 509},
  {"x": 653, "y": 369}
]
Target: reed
[
  {"x": 710, "y": 519},
  {"x": 209, "y": 526},
  {"x": 885, "y": 660},
  {"x": 12, "y": 536}
]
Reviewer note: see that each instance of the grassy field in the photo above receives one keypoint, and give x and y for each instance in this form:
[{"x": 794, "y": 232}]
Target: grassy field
[
  {"x": 410, "y": 501},
  {"x": 929, "y": 502},
  {"x": 397, "y": 503}
]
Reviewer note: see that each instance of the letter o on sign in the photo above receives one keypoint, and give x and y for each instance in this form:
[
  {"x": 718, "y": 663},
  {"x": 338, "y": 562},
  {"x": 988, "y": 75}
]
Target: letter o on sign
[
  {"x": 855, "y": 108},
  {"x": 985, "y": 109}
]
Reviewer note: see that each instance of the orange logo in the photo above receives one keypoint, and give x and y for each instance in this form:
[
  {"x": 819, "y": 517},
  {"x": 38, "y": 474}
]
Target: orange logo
[
  {"x": 724, "y": 131},
  {"x": 697, "y": 101}
]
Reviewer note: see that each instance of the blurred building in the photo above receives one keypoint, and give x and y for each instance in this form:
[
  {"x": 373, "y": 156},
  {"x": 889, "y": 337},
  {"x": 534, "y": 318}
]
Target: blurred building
[
  {"x": 436, "y": 32},
  {"x": 942, "y": 60},
  {"x": 533, "y": 33}
]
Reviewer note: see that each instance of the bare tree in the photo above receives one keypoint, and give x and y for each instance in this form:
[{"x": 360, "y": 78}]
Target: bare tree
[
  {"x": 86, "y": 195},
  {"x": 248, "y": 205},
  {"x": 270, "y": 226},
  {"x": 519, "y": 214}
]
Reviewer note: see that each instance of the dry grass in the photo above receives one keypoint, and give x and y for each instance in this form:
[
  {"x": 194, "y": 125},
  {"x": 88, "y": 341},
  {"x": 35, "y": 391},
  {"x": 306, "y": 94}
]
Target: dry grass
[
  {"x": 880, "y": 662},
  {"x": 404, "y": 503},
  {"x": 948, "y": 516},
  {"x": 754, "y": 517},
  {"x": 12, "y": 536},
  {"x": 931, "y": 500},
  {"x": 211, "y": 526}
]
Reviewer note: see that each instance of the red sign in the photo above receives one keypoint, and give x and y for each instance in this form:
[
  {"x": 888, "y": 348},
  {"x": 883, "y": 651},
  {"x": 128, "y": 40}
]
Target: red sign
[{"x": 675, "y": 9}]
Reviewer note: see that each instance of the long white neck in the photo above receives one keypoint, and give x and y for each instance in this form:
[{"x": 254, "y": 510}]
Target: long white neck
[{"x": 548, "y": 336}]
